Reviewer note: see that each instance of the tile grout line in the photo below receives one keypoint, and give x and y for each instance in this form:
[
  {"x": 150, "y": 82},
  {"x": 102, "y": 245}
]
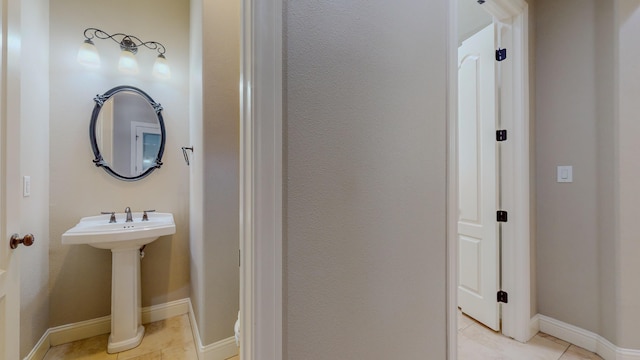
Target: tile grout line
[{"x": 564, "y": 352}]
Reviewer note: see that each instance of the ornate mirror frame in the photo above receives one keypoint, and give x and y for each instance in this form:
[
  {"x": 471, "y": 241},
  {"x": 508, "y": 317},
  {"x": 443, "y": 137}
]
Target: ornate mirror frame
[{"x": 99, "y": 160}]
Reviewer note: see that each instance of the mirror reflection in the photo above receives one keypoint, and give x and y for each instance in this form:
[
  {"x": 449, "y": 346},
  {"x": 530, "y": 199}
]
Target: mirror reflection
[{"x": 127, "y": 133}]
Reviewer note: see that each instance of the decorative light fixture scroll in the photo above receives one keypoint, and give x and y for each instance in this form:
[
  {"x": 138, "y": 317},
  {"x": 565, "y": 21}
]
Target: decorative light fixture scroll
[{"x": 129, "y": 44}]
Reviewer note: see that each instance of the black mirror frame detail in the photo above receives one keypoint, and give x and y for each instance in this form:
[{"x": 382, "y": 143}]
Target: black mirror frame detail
[{"x": 99, "y": 161}]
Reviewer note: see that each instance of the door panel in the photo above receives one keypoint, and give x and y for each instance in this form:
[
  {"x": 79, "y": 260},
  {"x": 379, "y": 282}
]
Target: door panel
[
  {"x": 477, "y": 226},
  {"x": 470, "y": 256}
]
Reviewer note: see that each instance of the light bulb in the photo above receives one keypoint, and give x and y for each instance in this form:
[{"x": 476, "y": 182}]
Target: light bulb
[
  {"x": 128, "y": 63},
  {"x": 88, "y": 55},
  {"x": 161, "y": 68}
]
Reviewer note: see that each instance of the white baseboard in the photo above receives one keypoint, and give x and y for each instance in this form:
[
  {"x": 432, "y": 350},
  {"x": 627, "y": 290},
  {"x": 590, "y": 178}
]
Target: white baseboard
[
  {"x": 80, "y": 330},
  {"x": 534, "y": 326},
  {"x": 40, "y": 350},
  {"x": 220, "y": 350},
  {"x": 86, "y": 329},
  {"x": 165, "y": 311},
  {"x": 584, "y": 339}
]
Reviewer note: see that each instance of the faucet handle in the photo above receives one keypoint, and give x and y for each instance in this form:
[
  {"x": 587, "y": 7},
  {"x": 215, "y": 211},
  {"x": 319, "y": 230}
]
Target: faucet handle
[
  {"x": 112, "y": 219},
  {"x": 144, "y": 215}
]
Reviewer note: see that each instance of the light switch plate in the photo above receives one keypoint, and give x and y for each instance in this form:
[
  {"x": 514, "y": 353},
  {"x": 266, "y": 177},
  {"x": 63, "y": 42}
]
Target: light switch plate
[
  {"x": 26, "y": 186},
  {"x": 565, "y": 174}
]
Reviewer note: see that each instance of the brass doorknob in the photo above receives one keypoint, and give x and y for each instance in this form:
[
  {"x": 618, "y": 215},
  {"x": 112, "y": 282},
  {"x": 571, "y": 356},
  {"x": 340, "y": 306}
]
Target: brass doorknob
[{"x": 27, "y": 240}]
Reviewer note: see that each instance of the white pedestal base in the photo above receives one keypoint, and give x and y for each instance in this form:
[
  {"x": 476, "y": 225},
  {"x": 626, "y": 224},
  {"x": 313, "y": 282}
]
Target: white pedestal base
[
  {"x": 126, "y": 317},
  {"x": 115, "y": 347}
]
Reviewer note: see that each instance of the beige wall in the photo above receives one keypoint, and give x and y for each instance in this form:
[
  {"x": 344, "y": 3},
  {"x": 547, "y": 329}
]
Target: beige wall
[
  {"x": 80, "y": 276},
  {"x": 216, "y": 239},
  {"x": 34, "y": 261},
  {"x": 605, "y": 71},
  {"x": 587, "y": 117},
  {"x": 365, "y": 179},
  {"x": 566, "y": 133}
]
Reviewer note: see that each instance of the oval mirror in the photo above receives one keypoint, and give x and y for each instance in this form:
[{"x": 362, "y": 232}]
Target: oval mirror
[{"x": 127, "y": 133}]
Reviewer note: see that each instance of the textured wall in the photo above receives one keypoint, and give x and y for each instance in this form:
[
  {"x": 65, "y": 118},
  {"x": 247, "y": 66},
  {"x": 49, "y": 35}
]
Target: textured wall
[
  {"x": 80, "y": 276},
  {"x": 566, "y": 134},
  {"x": 365, "y": 179},
  {"x": 583, "y": 278},
  {"x": 607, "y": 144}
]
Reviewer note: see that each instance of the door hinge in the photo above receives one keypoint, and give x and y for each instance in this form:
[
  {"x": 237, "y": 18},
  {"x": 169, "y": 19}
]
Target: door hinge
[
  {"x": 501, "y": 54},
  {"x": 239, "y": 258},
  {"x": 503, "y": 297},
  {"x": 501, "y": 135},
  {"x": 501, "y": 216}
]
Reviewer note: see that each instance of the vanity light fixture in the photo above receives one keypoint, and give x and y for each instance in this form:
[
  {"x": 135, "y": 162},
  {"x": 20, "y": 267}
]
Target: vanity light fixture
[
  {"x": 129, "y": 44},
  {"x": 161, "y": 68},
  {"x": 88, "y": 55}
]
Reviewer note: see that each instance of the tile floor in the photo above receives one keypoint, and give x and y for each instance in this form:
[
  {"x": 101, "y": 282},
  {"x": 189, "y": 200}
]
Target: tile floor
[
  {"x": 172, "y": 339},
  {"x": 169, "y": 339},
  {"x": 475, "y": 341}
]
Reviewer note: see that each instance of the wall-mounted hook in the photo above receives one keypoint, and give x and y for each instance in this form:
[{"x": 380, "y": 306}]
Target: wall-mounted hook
[{"x": 185, "y": 154}]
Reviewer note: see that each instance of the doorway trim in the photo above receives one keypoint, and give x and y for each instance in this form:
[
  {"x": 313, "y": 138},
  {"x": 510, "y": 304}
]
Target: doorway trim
[
  {"x": 261, "y": 248},
  {"x": 261, "y": 233},
  {"x": 512, "y": 19}
]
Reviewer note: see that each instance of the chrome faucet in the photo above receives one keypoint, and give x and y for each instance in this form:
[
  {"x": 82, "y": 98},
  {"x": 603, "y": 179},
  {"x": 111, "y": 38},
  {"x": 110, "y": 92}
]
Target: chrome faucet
[
  {"x": 145, "y": 216},
  {"x": 127, "y": 211},
  {"x": 112, "y": 218}
]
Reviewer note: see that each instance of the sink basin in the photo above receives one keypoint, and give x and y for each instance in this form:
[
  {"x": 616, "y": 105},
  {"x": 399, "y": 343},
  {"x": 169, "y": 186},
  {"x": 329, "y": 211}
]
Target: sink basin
[
  {"x": 98, "y": 232},
  {"x": 124, "y": 239}
]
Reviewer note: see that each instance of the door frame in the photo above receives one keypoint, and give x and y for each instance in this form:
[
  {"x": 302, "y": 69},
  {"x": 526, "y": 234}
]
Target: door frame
[
  {"x": 261, "y": 270},
  {"x": 515, "y": 164},
  {"x": 478, "y": 230},
  {"x": 10, "y": 199}
]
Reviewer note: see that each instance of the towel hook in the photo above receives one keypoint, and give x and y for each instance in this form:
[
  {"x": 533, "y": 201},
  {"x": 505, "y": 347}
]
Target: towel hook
[{"x": 185, "y": 154}]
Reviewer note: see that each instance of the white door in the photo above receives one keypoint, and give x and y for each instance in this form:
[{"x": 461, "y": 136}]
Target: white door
[
  {"x": 477, "y": 189},
  {"x": 10, "y": 182},
  {"x": 145, "y": 143}
]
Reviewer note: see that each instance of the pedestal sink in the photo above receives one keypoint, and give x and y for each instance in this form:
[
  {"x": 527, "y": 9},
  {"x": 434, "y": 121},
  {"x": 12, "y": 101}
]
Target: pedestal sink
[{"x": 124, "y": 239}]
